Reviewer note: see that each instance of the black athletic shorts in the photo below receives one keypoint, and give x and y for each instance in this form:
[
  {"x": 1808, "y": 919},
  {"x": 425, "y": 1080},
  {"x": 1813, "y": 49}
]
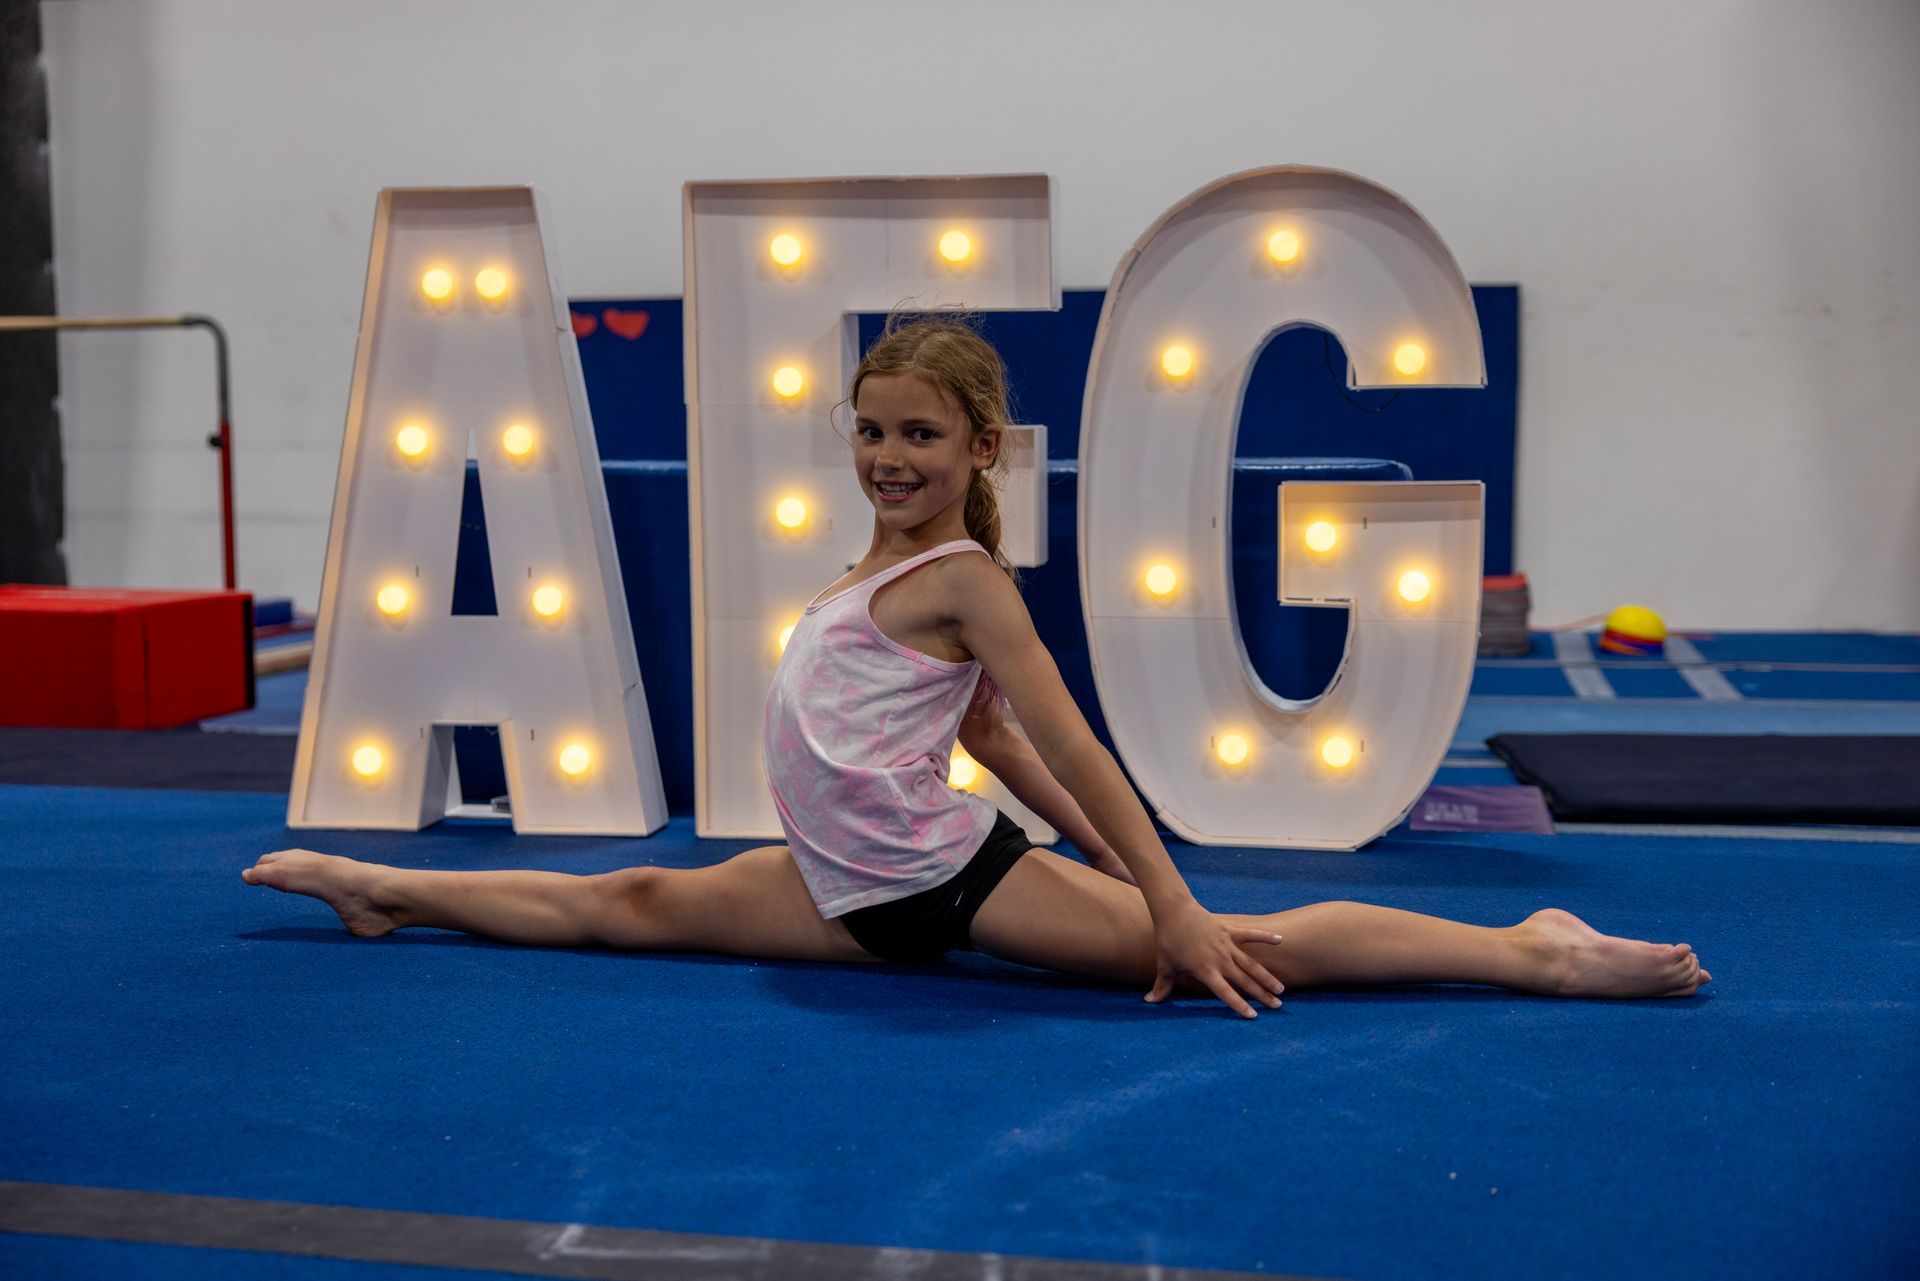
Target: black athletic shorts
[{"x": 928, "y": 925}]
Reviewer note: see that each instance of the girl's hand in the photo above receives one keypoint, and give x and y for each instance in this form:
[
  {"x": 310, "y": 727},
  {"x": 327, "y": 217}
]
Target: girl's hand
[{"x": 1196, "y": 943}]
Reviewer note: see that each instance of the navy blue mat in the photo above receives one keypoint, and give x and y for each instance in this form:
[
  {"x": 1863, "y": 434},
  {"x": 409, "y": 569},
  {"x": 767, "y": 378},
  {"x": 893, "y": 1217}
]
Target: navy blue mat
[
  {"x": 185, "y": 759},
  {"x": 170, "y": 1028},
  {"x": 1721, "y": 778}
]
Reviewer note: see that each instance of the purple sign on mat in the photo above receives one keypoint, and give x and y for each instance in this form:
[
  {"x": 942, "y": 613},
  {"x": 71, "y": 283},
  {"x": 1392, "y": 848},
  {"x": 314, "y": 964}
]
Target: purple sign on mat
[{"x": 1482, "y": 809}]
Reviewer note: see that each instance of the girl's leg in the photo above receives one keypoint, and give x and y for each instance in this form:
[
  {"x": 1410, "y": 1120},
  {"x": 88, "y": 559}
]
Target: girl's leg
[
  {"x": 1062, "y": 915},
  {"x": 754, "y": 904}
]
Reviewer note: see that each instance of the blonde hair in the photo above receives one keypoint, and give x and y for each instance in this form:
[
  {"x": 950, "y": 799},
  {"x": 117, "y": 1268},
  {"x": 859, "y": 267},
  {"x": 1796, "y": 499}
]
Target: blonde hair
[{"x": 946, "y": 351}]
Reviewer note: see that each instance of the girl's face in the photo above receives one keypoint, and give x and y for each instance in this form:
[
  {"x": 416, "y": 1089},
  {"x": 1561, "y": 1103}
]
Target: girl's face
[{"x": 914, "y": 452}]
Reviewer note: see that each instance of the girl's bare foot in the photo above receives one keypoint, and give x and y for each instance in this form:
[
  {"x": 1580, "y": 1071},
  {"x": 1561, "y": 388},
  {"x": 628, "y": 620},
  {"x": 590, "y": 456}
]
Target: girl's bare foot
[
  {"x": 1581, "y": 961},
  {"x": 343, "y": 884}
]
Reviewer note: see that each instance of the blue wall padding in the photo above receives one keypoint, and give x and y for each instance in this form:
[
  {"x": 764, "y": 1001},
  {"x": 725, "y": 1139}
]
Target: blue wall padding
[
  {"x": 1297, "y": 403},
  {"x": 1295, "y": 650},
  {"x": 1298, "y": 421}
]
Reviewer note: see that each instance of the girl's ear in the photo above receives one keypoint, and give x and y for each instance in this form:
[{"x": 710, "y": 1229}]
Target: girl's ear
[{"x": 986, "y": 447}]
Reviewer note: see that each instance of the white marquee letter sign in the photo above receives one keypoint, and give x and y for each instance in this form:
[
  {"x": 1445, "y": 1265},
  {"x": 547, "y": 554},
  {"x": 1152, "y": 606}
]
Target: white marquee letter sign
[
  {"x": 465, "y": 344},
  {"x": 1223, "y": 759},
  {"x": 773, "y": 270}
]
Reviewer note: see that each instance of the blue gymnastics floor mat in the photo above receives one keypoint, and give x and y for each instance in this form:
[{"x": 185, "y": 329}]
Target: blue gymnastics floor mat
[{"x": 172, "y": 1029}]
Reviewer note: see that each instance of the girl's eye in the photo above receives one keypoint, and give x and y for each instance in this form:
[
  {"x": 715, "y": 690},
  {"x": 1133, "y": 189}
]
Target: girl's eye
[{"x": 873, "y": 433}]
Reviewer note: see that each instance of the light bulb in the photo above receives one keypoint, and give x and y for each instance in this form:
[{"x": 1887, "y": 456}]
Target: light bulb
[
  {"x": 1176, "y": 361},
  {"x": 411, "y": 441},
  {"x": 1337, "y": 752},
  {"x": 786, "y": 634},
  {"x": 491, "y": 284},
  {"x": 437, "y": 284},
  {"x": 1414, "y": 587},
  {"x": 548, "y": 601},
  {"x": 392, "y": 600},
  {"x": 1161, "y": 580},
  {"x": 575, "y": 760},
  {"x": 1321, "y": 536},
  {"x": 790, "y": 512},
  {"x": 1409, "y": 358},
  {"x": 788, "y": 382},
  {"x": 956, "y": 246},
  {"x": 784, "y": 249},
  {"x": 1283, "y": 247},
  {"x": 368, "y": 761},
  {"x": 963, "y": 771},
  {"x": 517, "y": 441},
  {"x": 1231, "y": 749}
]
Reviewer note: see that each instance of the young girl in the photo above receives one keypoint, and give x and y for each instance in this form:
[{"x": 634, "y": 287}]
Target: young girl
[{"x": 885, "y": 861}]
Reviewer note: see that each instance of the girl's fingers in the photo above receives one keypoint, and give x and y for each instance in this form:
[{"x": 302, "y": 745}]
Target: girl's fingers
[
  {"x": 1260, "y": 974},
  {"x": 1246, "y": 934},
  {"x": 1245, "y": 981},
  {"x": 1218, "y": 985},
  {"x": 1162, "y": 986}
]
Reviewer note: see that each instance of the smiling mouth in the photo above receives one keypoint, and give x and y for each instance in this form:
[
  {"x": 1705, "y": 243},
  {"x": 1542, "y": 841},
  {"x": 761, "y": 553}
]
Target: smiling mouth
[{"x": 896, "y": 493}]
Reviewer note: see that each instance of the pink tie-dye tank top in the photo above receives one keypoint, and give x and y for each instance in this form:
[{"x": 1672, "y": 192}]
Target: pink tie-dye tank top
[{"x": 856, "y": 742}]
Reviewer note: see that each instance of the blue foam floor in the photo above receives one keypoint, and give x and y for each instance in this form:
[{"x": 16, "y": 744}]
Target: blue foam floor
[{"x": 169, "y": 1028}]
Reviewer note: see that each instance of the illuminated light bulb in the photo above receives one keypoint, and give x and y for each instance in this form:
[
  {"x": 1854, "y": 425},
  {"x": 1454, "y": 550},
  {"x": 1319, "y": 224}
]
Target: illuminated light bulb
[
  {"x": 1409, "y": 358},
  {"x": 788, "y": 382},
  {"x": 1414, "y": 587},
  {"x": 368, "y": 761},
  {"x": 1321, "y": 536},
  {"x": 1231, "y": 749},
  {"x": 956, "y": 246},
  {"x": 1161, "y": 580},
  {"x": 790, "y": 512},
  {"x": 491, "y": 284},
  {"x": 575, "y": 760},
  {"x": 786, "y": 634},
  {"x": 1176, "y": 361},
  {"x": 1283, "y": 247},
  {"x": 784, "y": 249},
  {"x": 517, "y": 440},
  {"x": 963, "y": 771},
  {"x": 411, "y": 440},
  {"x": 393, "y": 600},
  {"x": 437, "y": 284},
  {"x": 548, "y": 601},
  {"x": 1337, "y": 752}
]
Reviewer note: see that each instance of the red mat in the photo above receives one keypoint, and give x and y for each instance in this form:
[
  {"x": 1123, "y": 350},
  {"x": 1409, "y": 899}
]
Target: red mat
[{"x": 110, "y": 658}]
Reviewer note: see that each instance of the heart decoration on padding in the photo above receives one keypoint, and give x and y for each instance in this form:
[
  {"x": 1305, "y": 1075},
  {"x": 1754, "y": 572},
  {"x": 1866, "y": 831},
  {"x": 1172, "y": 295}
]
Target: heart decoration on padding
[{"x": 628, "y": 324}]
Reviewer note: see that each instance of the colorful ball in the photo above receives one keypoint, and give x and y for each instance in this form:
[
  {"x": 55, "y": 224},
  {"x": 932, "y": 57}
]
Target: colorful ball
[{"x": 1634, "y": 629}]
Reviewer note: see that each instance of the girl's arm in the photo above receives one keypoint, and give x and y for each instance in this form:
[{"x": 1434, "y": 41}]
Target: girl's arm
[
  {"x": 991, "y": 621},
  {"x": 1005, "y": 752}
]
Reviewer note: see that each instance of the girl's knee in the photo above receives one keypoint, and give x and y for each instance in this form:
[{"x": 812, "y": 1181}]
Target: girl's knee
[{"x": 630, "y": 906}]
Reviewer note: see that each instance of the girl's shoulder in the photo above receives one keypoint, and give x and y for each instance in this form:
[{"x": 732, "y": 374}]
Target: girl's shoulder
[{"x": 970, "y": 584}]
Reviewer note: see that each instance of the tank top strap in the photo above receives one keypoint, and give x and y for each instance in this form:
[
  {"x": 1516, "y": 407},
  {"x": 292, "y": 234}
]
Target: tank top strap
[
  {"x": 892, "y": 572},
  {"x": 932, "y": 553}
]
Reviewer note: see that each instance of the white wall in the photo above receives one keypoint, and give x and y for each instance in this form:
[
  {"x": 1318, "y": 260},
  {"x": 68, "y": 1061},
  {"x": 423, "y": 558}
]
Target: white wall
[{"x": 1711, "y": 209}]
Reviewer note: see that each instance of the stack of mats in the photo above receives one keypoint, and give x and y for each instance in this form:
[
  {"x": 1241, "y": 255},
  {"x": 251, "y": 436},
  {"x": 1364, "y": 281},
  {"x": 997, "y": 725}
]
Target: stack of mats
[{"x": 1504, "y": 601}]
